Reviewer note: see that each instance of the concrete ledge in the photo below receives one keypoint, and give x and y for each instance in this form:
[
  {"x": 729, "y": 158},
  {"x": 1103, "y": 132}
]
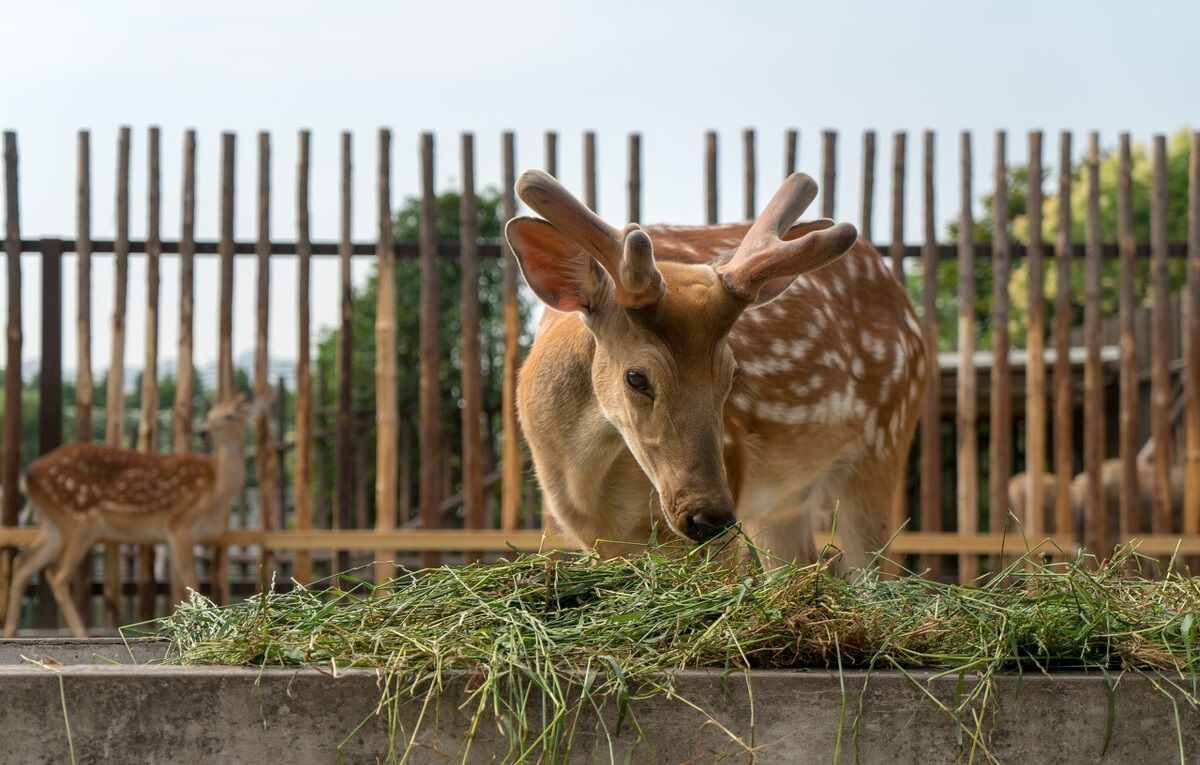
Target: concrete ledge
[
  {"x": 75, "y": 651},
  {"x": 159, "y": 714}
]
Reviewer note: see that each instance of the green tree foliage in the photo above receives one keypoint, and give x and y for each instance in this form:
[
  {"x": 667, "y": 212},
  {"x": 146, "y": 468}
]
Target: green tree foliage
[
  {"x": 408, "y": 296},
  {"x": 1018, "y": 206}
]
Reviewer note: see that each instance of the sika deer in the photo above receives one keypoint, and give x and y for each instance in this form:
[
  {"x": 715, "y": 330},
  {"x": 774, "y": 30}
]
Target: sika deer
[
  {"x": 86, "y": 493},
  {"x": 767, "y": 374}
]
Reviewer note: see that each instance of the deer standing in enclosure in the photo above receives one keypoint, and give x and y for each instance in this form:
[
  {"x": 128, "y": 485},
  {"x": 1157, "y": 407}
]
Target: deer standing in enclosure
[
  {"x": 86, "y": 493},
  {"x": 763, "y": 373}
]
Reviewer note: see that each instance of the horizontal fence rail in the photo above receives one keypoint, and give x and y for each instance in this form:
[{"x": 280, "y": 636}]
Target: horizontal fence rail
[{"x": 1030, "y": 438}]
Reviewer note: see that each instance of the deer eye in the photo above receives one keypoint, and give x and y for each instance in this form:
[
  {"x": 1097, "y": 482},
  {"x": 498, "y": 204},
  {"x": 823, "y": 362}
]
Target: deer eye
[{"x": 638, "y": 382}]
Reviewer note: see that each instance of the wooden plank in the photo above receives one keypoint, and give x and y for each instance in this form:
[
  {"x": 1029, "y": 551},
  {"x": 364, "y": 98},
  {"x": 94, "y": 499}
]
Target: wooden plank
[
  {"x": 931, "y": 445},
  {"x": 967, "y": 420},
  {"x": 510, "y": 488},
  {"x": 828, "y": 172},
  {"x": 1160, "y": 374},
  {"x": 710, "y": 177},
  {"x": 1035, "y": 371},
  {"x": 635, "y": 178},
  {"x": 50, "y": 386},
  {"x": 184, "y": 392},
  {"x": 10, "y": 509},
  {"x": 387, "y": 420},
  {"x": 264, "y": 455},
  {"x": 84, "y": 387},
  {"x": 1096, "y": 514},
  {"x": 346, "y": 444},
  {"x": 589, "y": 171},
  {"x": 225, "y": 320},
  {"x": 551, "y": 153},
  {"x": 302, "y": 568},
  {"x": 748, "y": 173},
  {"x": 899, "y": 506},
  {"x": 1001, "y": 419},
  {"x": 1191, "y": 373},
  {"x": 148, "y": 421},
  {"x": 1129, "y": 510},
  {"x": 1063, "y": 467},
  {"x": 472, "y": 365},
  {"x": 430, "y": 392},
  {"x": 868, "y": 187},
  {"x": 115, "y": 407},
  {"x": 791, "y": 140},
  {"x": 84, "y": 390}
]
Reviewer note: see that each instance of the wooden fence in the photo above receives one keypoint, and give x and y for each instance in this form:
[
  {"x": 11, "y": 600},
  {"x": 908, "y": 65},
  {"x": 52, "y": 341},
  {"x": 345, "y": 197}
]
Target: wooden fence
[{"x": 934, "y": 529}]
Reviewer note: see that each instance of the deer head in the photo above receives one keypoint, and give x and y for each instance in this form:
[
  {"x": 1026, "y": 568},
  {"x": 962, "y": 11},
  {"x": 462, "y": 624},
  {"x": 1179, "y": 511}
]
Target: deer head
[
  {"x": 226, "y": 421},
  {"x": 661, "y": 366}
]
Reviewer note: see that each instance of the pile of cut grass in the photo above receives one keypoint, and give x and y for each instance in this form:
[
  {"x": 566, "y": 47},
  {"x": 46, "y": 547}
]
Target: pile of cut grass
[{"x": 567, "y": 634}]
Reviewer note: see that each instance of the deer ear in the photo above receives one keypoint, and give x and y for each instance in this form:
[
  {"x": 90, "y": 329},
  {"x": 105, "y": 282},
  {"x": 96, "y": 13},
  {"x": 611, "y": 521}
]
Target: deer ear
[{"x": 559, "y": 272}]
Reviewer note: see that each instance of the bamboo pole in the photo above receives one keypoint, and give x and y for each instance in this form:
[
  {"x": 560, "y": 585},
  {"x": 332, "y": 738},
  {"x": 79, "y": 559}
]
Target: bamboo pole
[
  {"x": 220, "y": 553},
  {"x": 899, "y": 507},
  {"x": 12, "y": 363},
  {"x": 1160, "y": 373},
  {"x": 430, "y": 393},
  {"x": 1130, "y": 522},
  {"x": 1191, "y": 373},
  {"x": 1001, "y": 419},
  {"x": 1093, "y": 381},
  {"x": 264, "y": 455},
  {"x": 472, "y": 367},
  {"x": 868, "y": 187},
  {"x": 635, "y": 178},
  {"x": 968, "y": 437},
  {"x": 589, "y": 171},
  {"x": 931, "y": 423},
  {"x": 510, "y": 500},
  {"x": 551, "y": 153},
  {"x": 346, "y": 446},
  {"x": 302, "y": 568},
  {"x": 1035, "y": 391},
  {"x": 1063, "y": 467},
  {"x": 148, "y": 422},
  {"x": 84, "y": 386},
  {"x": 748, "y": 172},
  {"x": 791, "y": 139},
  {"x": 828, "y": 172},
  {"x": 184, "y": 393},
  {"x": 710, "y": 177},
  {"x": 385, "y": 362}
]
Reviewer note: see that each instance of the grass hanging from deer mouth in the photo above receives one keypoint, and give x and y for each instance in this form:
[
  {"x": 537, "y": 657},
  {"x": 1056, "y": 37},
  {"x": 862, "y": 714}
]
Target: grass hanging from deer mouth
[{"x": 569, "y": 634}]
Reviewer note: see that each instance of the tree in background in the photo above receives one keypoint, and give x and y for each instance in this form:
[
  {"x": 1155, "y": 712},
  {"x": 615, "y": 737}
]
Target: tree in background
[
  {"x": 1141, "y": 174},
  {"x": 408, "y": 295}
]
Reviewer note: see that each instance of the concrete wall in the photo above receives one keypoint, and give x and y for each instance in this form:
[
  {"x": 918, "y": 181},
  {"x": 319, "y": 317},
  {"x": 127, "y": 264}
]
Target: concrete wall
[{"x": 159, "y": 714}]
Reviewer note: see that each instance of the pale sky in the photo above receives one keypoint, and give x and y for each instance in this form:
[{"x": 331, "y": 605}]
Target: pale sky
[{"x": 669, "y": 70}]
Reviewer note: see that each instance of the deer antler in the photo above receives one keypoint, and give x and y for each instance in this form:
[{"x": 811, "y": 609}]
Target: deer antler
[
  {"x": 627, "y": 255},
  {"x": 764, "y": 254}
]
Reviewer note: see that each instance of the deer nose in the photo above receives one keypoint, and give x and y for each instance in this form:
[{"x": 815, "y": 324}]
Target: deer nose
[{"x": 707, "y": 522}]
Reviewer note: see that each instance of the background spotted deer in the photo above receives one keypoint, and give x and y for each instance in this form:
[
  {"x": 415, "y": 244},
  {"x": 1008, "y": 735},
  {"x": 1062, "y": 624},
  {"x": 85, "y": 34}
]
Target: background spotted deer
[
  {"x": 766, "y": 373},
  {"x": 86, "y": 493}
]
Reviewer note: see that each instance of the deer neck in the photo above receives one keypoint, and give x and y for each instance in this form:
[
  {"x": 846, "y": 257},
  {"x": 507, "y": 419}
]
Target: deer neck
[{"x": 230, "y": 469}]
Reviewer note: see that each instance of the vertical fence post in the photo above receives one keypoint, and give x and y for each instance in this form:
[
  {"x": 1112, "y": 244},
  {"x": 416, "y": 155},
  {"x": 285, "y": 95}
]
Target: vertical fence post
[
  {"x": 1001, "y": 425},
  {"x": 50, "y": 388},
  {"x": 1129, "y": 510},
  {"x": 931, "y": 423},
  {"x": 1035, "y": 371},
  {"x": 1191, "y": 369},
  {"x": 710, "y": 177},
  {"x": 510, "y": 499},
  {"x": 346, "y": 446},
  {"x": 148, "y": 422},
  {"x": 264, "y": 457},
  {"x": 1093, "y": 381},
  {"x": 589, "y": 171},
  {"x": 899, "y": 507},
  {"x": 790, "y": 156},
  {"x": 115, "y": 407},
  {"x": 304, "y": 408},
  {"x": 635, "y": 178},
  {"x": 84, "y": 387},
  {"x": 1063, "y": 467},
  {"x": 748, "y": 172},
  {"x": 220, "y": 554},
  {"x": 968, "y": 437},
  {"x": 385, "y": 360},
  {"x": 472, "y": 367},
  {"x": 430, "y": 398},
  {"x": 552, "y": 153},
  {"x": 828, "y": 172},
  {"x": 184, "y": 392},
  {"x": 868, "y": 186},
  {"x": 12, "y": 361},
  {"x": 1160, "y": 373}
]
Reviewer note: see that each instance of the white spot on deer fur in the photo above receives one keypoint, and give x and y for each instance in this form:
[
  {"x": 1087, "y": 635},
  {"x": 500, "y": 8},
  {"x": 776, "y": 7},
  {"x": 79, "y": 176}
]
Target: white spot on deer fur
[
  {"x": 778, "y": 346},
  {"x": 838, "y": 286},
  {"x": 856, "y": 367},
  {"x": 782, "y": 413},
  {"x": 799, "y": 348},
  {"x": 833, "y": 360},
  {"x": 911, "y": 321},
  {"x": 852, "y": 267},
  {"x": 800, "y": 389},
  {"x": 741, "y": 401},
  {"x": 874, "y": 346}
]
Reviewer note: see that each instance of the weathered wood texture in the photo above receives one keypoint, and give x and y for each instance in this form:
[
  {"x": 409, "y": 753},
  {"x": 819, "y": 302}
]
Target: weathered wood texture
[
  {"x": 1191, "y": 386},
  {"x": 12, "y": 361},
  {"x": 302, "y": 569},
  {"x": 1062, "y": 342},
  {"x": 748, "y": 168},
  {"x": 1129, "y": 512},
  {"x": 589, "y": 171},
  {"x": 1093, "y": 383},
  {"x": 931, "y": 436},
  {"x": 347, "y": 446},
  {"x": 84, "y": 388},
  {"x": 1035, "y": 391},
  {"x": 896, "y": 250},
  {"x": 867, "y": 200},
  {"x": 510, "y": 499},
  {"x": 1160, "y": 373},
  {"x": 184, "y": 391},
  {"x": 148, "y": 420},
  {"x": 225, "y": 313},
  {"x": 264, "y": 454},
  {"x": 634, "y": 184},
  {"x": 430, "y": 398},
  {"x": 791, "y": 140},
  {"x": 710, "y": 177},
  {"x": 968, "y": 436},
  {"x": 828, "y": 172},
  {"x": 1000, "y": 429}
]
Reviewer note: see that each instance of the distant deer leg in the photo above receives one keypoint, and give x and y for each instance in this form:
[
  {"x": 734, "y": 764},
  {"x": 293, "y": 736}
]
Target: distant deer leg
[
  {"x": 36, "y": 557},
  {"x": 183, "y": 564},
  {"x": 60, "y": 580}
]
